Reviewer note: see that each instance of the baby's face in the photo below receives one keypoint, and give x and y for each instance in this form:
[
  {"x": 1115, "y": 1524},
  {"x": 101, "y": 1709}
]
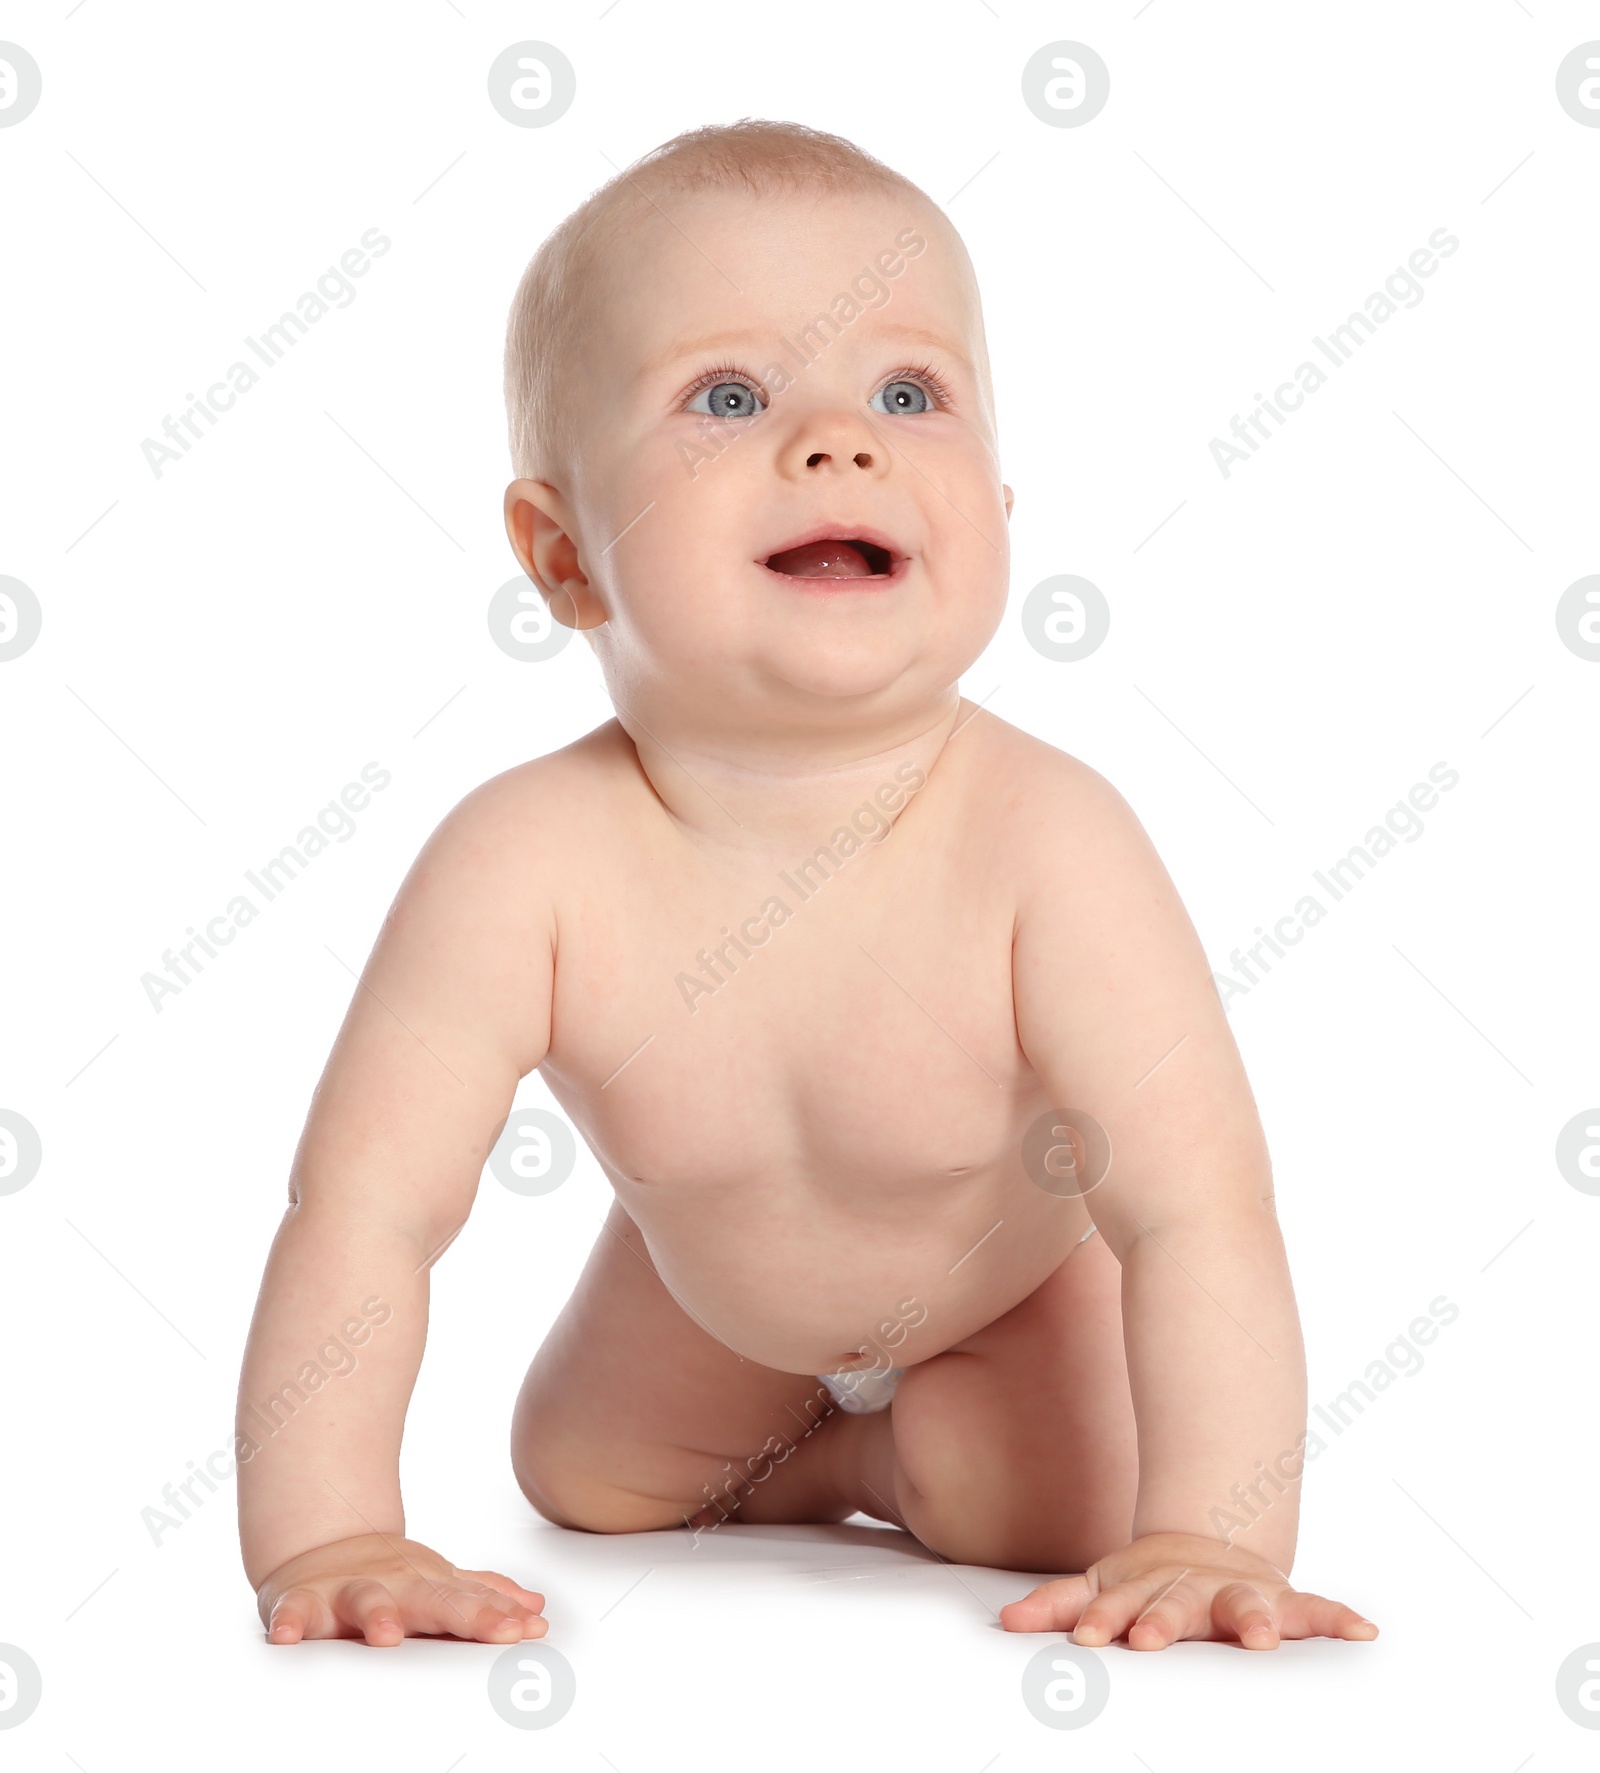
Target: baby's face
[{"x": 778, "y": 511}]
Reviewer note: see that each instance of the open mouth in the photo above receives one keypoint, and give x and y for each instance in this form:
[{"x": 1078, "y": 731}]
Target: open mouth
[{"x": 835, "y": 557}]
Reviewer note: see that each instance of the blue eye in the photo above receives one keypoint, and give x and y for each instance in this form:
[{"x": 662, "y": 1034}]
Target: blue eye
[
  {"x": 906, "y": 397},
  {"x": 727, "y": 400}
]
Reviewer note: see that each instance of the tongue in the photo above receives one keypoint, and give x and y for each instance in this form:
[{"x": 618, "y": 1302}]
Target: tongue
[{"x": 822, "y": 560}]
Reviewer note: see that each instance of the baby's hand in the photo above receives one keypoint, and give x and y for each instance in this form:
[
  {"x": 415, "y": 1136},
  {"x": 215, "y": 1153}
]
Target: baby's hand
[
  {"x": 387, "y": 1589},
  {"x": 1177, "y": 1585}
]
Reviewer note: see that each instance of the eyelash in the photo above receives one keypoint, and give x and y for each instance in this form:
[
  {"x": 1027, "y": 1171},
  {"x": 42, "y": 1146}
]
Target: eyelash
[
  {"x": 723, "y": 373},
  {"x": 729, "y": 372},
  {"x": 925, "y": 374}
]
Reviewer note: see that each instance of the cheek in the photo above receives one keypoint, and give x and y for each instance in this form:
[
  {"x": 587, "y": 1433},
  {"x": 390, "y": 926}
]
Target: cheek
[
  {"x": 671, "y": 575},
  {"x": 686, "y": 488},
  {"x": 965, "y": 462},
  {"x": 969, "y": 524},
  {"x": 684, "y": 532}
]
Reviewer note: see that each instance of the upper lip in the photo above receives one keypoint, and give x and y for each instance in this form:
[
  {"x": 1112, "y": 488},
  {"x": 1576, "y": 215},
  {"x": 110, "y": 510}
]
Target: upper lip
[{"x": 840, "y": 532}]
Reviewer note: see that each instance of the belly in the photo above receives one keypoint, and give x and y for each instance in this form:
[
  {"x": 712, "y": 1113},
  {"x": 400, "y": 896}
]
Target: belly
[
  {"x": 824, "y": 1154},
  {"x": 875, "y": 1215},
  {"x": 803, "y": 1283}
]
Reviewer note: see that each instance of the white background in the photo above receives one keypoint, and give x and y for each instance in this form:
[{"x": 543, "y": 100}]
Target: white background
[{"x": 224, "y": 647}]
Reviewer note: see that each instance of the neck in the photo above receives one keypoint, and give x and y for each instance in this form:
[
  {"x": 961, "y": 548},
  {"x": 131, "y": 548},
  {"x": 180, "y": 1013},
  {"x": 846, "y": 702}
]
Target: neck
[{"x": 768, "y": 793}]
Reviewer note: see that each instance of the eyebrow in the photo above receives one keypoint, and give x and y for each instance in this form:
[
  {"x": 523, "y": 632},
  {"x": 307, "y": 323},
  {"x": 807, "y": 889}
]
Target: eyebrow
[{"x": 722, "y": 341}]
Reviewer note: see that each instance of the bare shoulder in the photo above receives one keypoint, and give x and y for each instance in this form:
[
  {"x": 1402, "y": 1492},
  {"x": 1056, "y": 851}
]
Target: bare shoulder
[
  {"x": 505, "y": 846},
  {"x": 1062, "y": 827},
  {"x": 533, "y": 806},
  {"x": 1115, "y": 1005},
  {"x": 472, "y": 928}
]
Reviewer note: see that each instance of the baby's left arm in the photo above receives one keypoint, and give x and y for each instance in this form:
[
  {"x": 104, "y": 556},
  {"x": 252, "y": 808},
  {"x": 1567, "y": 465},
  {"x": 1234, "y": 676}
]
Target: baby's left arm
[{"x": 1117, "y": 1013}]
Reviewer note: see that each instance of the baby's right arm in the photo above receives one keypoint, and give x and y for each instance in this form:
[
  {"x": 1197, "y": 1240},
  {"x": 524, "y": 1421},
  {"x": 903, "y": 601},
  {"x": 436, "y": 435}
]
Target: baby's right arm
[{"x": 453, "y": 1008}]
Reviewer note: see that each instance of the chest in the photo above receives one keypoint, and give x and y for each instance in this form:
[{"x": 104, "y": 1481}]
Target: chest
[{"x": 841, "y": 1018}]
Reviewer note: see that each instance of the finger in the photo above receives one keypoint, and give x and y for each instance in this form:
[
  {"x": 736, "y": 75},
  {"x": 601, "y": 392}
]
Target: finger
[
  {"x": 295, "y": 1614},
  {"x": 1241, "y": 1611},
  {"x": 528, "y": 1597},
  {"x": 454, "y": 1610},
  {"x": 1114, "y": 1609},
  {"x": 1302, "y": 1615},
  {"x": 371, "y": 1610},
  {"x": 498, "y": 1610},
  {"x": 1052, "y": 1606},
  {"x": 529, "y": 1620},
  {"x": 1172, "y": 1612}
]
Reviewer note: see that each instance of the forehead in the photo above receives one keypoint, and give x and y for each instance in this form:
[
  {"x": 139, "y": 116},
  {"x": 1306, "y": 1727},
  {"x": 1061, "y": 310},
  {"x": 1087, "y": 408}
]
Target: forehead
[{"x": 692, "y": 272}]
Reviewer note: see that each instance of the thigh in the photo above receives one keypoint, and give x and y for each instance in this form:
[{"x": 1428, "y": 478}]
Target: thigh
[
  {"x": 1018, "y": 1447},
  {"x": 633, "y": 1416}
]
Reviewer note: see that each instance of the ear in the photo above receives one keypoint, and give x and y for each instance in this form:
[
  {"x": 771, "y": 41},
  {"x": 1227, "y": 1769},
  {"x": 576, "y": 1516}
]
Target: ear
[
  {"x": 539, "y": 528},
  {"x": 1009, "y": 496}
]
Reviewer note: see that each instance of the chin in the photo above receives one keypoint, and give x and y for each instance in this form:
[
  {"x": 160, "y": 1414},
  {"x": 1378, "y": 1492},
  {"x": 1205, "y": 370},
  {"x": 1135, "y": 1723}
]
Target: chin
[{"x": 849, "y": 679}]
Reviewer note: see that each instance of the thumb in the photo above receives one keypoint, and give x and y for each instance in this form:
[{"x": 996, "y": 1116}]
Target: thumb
[{"x": 1052, "y": 1606}]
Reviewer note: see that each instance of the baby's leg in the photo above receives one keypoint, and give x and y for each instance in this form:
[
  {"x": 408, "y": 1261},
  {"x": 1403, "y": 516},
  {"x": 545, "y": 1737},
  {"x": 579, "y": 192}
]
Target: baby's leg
[
  {"x": 633, "y": 1417},
  {"x": 1017, "y": 1447}
]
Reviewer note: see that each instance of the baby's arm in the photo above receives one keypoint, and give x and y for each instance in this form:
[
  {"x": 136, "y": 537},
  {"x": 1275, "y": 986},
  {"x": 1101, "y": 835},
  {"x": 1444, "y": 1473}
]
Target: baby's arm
[
  {"x": 453, "y": 1008},
  {"x": 1118, "y": 1014}
]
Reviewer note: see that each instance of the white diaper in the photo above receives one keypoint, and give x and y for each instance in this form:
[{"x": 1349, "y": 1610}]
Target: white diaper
[{"x": 863, "y": 1390}]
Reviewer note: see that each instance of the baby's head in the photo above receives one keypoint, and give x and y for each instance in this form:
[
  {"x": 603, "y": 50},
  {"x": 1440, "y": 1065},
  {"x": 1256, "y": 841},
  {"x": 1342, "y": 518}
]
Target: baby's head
[{"x": 753, "y": 428}]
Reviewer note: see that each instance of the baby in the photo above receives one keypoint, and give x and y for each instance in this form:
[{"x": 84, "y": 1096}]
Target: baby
[{"x": 873, "y": 1008}]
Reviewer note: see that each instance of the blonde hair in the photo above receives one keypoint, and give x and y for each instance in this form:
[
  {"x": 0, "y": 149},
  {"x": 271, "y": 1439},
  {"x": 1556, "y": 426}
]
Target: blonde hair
[{"x": 754, "y": 155}]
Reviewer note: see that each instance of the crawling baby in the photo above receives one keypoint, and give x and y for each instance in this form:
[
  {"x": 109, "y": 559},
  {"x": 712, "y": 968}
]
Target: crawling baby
[{"x": 941, "y": 1194}]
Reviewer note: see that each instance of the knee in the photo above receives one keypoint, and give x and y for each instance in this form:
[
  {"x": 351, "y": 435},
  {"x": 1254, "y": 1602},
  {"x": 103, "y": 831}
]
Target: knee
[
  {"x": 1009, "y": 1526},
  {"x": 967, "y": 1536},
  {"x": 569, "y": 1493},
  {"x": 981, "y": 1498}
]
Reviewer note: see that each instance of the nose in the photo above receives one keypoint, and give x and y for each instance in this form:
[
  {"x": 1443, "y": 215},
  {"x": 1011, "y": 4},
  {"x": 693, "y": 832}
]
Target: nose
[{"x": 832, "y": 442}]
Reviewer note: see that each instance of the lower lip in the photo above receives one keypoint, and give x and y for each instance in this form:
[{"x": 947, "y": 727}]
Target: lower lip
[{"x": 872, "y": 581}]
